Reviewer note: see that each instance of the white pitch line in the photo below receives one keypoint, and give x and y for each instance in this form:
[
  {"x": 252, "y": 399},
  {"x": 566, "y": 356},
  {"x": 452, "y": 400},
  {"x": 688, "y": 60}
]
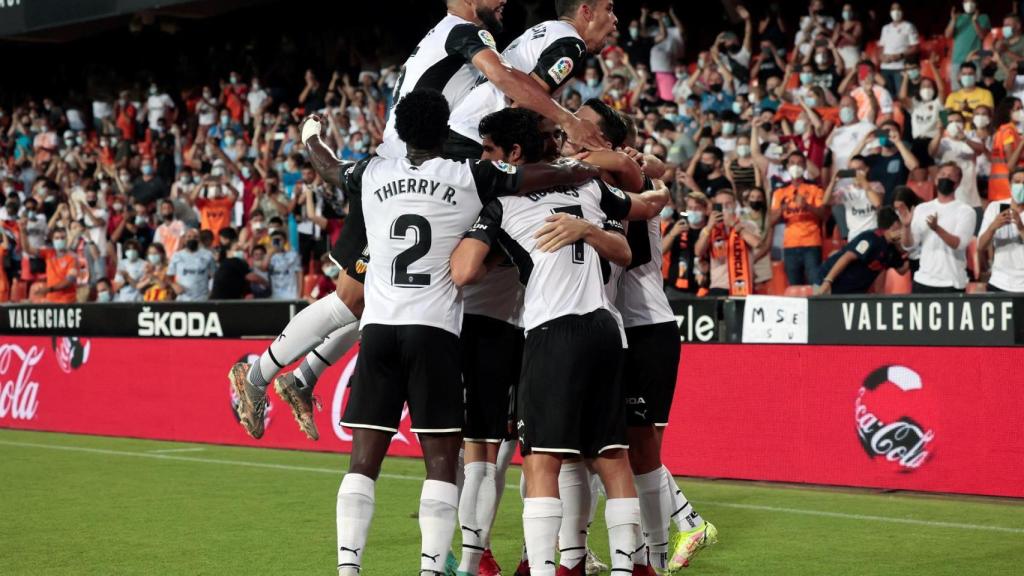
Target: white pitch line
[
  {"x": 757, "y": 507},
  {"x": 174, "y": 450}
]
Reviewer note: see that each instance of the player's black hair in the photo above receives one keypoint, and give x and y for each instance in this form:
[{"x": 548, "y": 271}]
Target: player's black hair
[
  {"x": 512, "y": 126},
  {"x": 566, "y": 8},
  {"x": 421, "y": 119},
  {"x": 611, "y": 124},
  {"x": 887, "y": 216}
]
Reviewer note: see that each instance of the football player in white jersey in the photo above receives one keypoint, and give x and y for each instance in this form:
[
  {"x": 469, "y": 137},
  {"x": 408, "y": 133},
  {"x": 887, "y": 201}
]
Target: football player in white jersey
[
  {"x": 458, "y": 53},
  {"x": 416, "y": 208},
  {"x": 449, "y": 59},
  {"x": 550, "y": 52},
  {"x": 568, "y": 403}
]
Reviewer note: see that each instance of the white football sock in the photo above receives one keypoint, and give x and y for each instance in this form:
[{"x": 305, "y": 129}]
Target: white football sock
[
  {"x": 505, "y": 454},
  {"x": 522, "y": 496},
  {"x": 574, "y": 492},
  {"x": 439, "y": 503},
  {"x": 327, "y": 353},
  {"x": 683, "y": 514},
  {"x": 622, "y": 515},
  {"x": 460, "y": 471},
  {"x": 486, "y": 504},
  {"x": 355, "y": 511},
  {"x": 596, "y": 489},
  {"x": 472, "y": 532},
  {"x": 541, "y": 520},
  {"x": 655, "y": 510},
  {"x": 305, "y": 331}
]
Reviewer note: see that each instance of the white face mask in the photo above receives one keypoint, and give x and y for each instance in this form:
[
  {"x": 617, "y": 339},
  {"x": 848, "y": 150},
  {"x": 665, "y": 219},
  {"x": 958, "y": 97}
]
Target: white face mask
[
  {"x": 820, "y": 59},
  {"x": 927, "y": 94},
  {"x": 954, "y": 129},
  {"x": 796, "y": 171},
  {"x": 982, "y": 121},
  {"x": 1017, "y": 116},
  {"x": 799, "y": 127},
  {"x": 743, "y": 150},
  {"x": 969, "y": 7},
  {"x": 896, "y": 15}
]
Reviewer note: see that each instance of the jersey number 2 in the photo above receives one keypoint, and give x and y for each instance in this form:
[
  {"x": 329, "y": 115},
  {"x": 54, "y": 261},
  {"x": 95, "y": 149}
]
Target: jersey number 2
[
  {"x": 400, "y": 275},
  {"x": 577, "y": 247}
]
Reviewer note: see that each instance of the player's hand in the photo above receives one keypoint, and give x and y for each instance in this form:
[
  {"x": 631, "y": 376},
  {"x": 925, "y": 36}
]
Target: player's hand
[
  {"x": 561, "y": 230},
  {"x": 634, "y": 155},
  {"x": 586, "y": 134},
  {"x": 311, "y": 126}
]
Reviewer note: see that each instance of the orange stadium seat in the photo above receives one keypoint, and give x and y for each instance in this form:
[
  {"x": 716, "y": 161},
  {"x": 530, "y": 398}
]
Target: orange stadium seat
[
  {"x": 801, "y": 291},
  {"x": 19, "y": 290},
  {"x": 777, "y": 285},
  {"x": 977, "y": 288},
  {"x": 37, "y": 293},
  {"x": 896, "y": 283},
  {"x": 972, "y": 258}
]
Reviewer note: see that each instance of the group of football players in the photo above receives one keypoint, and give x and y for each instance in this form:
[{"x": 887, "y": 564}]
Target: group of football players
[{"x": 502, "y": 271}]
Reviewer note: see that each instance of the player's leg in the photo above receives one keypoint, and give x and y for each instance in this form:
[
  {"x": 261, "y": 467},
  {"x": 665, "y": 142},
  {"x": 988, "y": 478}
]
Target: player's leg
[
  {"x": 542, "y": 511},
  {"x": 434, "y": 390},
  {"x": 604, "y": 439},
  {"x": 574, "y": 492},
  {"x": 373, "y": 412},
  {"x": 305, "y": 331},
  {"x": 649, "y": 374},
  {"x": 476, "y": 502}
]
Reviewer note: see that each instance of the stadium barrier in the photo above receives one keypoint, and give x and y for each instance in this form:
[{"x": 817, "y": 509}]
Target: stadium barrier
[{"x": 939, "y": 418}]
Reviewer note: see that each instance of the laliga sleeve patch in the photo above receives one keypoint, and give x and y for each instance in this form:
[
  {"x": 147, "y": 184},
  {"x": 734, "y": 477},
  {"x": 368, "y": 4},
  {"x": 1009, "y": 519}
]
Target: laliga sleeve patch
[
  {"x": 504, "y": 167},
  {"x": 616, "y": 191},
  {"x": 561, "y": 69},
  {"x": 487, "y": 39},
  {"x": 862, "y": 247}
]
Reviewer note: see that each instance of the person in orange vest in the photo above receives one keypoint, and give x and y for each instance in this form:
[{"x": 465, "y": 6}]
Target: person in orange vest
[
  {"x": 1007, "y": 145},
  {"x": 61, "y": 266}
]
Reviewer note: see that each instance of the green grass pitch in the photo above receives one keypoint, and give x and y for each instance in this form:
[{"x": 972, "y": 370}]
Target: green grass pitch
[{"x": 93, "y": 505}]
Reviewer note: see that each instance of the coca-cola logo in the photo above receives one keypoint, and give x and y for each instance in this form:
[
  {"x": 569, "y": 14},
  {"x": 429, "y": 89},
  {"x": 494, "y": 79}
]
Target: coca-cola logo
[
  {"x": 884, "y": 425},
  {"x": 338, "y": 405},
  {"x": 18, "y": 391}
]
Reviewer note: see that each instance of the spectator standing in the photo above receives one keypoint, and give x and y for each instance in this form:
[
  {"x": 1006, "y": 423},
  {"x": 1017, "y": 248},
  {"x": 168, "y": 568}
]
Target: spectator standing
[
  {"x": 899, "y": 42},
  {"x": 61, "y": 266},
  {"x": 170, "y": 231},
  {"x": 191, "y": 270},
  {"x": 859, "y": 196},
  {"x": 667, "y": 48},
  {"x": 154, "y": 284},
  {"x": 681, "y": 268},
  {"x": 844, "y": 139},
  {"x": 967, "y": 29},
  {"x": 130, "y": 270},
  {"x": 755, "y": 213},
  {"x": 848, "y": 36},
  {"x": 892, "y": 162},
  {"x": 956, "y": 147},
  {"x": 942, "y": 228},
  {"x": 970, "y": 95},
  {"x": 233, "y": 276},
  {"x": 1002, "y": 230},
  {"x": 800, "y": 206},
  {"x": 150, "y": 187},
  {"x": 925, "y": 107},
  {"x": 728, "y": 243},
  {"x": 285, "y": 270},
  {"x": 159, "y": 105},
  {"x": 215, "y": 199},
  {"x": 906, "y": 201},
  {"x": 1007, "y": 145}
]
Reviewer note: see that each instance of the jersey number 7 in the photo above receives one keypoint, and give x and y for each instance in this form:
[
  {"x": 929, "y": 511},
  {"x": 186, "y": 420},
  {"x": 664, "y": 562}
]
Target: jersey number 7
[{"x": 577, "y": 247}]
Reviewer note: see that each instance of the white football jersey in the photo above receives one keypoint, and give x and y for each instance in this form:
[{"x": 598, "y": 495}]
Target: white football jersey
[
  {"x": 552, "y": 50},
  {"x": 641, "y": 296},
  {"x": 415, "y": 216},
  {"x": 442, "y": 61},
  {"x": 569, "y": 281},
  {"x": 499, "y": 295}
]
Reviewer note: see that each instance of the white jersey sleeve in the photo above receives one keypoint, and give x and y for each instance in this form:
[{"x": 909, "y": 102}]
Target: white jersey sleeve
[{"x": 641, "y": 297}]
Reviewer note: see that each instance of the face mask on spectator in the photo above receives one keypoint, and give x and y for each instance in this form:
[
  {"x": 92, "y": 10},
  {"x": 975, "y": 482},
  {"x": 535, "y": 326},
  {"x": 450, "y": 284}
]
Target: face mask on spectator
[
  {"x": 967, "y": 80},
  {"x": 224, "y": 120},
  {"x": 1007, "y": 32},
  {"x": 969, "y": 7},
  {"x": 152, "y": 90},
  {"x": 1017, "y": 191},
  {"x": 216, "y": 172},
  {"x": 796, "y": 171},
  {"x": 728, "y": 128},
  {"x": 695, "y": 218},
  {"x": 667, "y": 212},
  {"x": 716, "y": 87},
  {"x": 896, "y": 15},
  {"x": 246, "y": 172},
  {"x": 117, "y": 206},
  {"x": 192, "y": 245},
  {"x": 60, "y": 244},
  {"x": 847, "y": 15},
  {"x": 147, "y": 169},
  {"x": 609, "y": 63},
  {"x": 981, "y": 121},
  {"x": 132, "y": 255},
  {"x": 743, "y": 150},
  {"x": 680, "y": 74},
  {"x": 799, "y": 127},
  {"x": 954, "y": 129},
  {"x": 154, "y": 258},
  {"x": 847, "y": 115},
  {"x": 914, "y": 74},
  {"x": 821, "y": 59},
  {"x": 229, "y": 140},
  {"x": 812, "y": 102},
  {"x": 1017, "y": 116},
  {"x": 69, "y": 142},
  {"x": 103, "y": 296},
  {"x": 593, "y": 82},
  {"x": 196, "y": 179},
  {"x": 945, "y": 186},
  {"x": 634, "y": 32},
  {"x": 927, "y": 94},
  {"x": 806, "y": 78},
  {"x": 141, "y": 220},
  {"x": 8, "y": 189},
  {"x": 758, "y": 205}
]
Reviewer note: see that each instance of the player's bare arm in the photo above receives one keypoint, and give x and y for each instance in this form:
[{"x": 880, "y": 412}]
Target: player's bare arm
[
  {"x": 562, "y": 229},
  {"x": 326, "y": 164}
]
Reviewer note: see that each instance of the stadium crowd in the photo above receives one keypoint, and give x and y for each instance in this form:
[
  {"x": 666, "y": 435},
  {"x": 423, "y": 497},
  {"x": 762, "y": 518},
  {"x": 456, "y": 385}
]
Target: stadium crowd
[{"x": 851, "y": 146}]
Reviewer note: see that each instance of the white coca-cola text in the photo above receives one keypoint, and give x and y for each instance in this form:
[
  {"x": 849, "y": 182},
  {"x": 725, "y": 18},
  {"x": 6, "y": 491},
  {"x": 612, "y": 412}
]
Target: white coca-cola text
[{"x": 17, "y": 389}]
